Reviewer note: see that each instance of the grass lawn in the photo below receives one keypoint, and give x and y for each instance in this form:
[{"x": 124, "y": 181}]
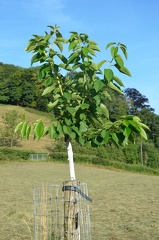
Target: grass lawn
[{"x": 125, "y": 205}]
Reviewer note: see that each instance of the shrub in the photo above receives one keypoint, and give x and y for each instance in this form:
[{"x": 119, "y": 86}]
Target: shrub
[{"x": 13, "y": 154}]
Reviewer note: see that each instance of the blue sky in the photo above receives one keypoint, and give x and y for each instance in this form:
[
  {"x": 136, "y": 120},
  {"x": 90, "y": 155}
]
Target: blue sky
[{"x": 132, "y": 22}]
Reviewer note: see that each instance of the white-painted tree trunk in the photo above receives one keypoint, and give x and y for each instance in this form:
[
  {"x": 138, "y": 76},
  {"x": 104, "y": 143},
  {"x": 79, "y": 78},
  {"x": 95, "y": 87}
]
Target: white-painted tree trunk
[{"x": 70, "y": 159}]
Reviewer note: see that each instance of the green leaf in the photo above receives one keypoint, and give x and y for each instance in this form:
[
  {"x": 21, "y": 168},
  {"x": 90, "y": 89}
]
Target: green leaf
[
  {"x": 98, "y": 85},
  {"x": 125, "y": 71},
  {"x": 76, "y": 97},
  {"x": 94, "y": 66},
  {"x": 136, "y": 119},
  {"x": 65, "y": 66},
  {"x": 92, "y": 42},
  {"x": 91, "y": 136},
  {"x": 114, "y": 51},
  {"x": 108, "y": 74},
  {"x": 100, "y": 64},
  {"x": 85, "y": 51},
  {"x": 117, "y": 123},
  {"x": 118, "y": 81},
  {"x": 59, "y": 128},
  {"x": 126, "y": 123},
  {"x": 75, "y": 129},
  {"x": 48, "y": 90},
  {"x": 53, "y": 104},
  {"x": 68, "y": 121},
  {"x": 94, "y": 47},
  {"x": 71, "y": 110},
  {"x": 119, "y": 61},
  {"x": 38, "y": 130},
  {"x": 72, "y": 135},
  {"x": 87, "y": 63},
  {"x": 110, "y": 44},
  {"x": 81, "y": 141},
  {"x": 107, "y": 125},
  {"x": 46, "y": 130},
  {"x": 18, "y": 127},
  {"x": 127, "y": 132},
  {"x": 134, "y": 124},
  {"x": 72, "y": 57},
  {"x": 28, "y": 130},
  {"x": 84, "y": 105},
  {"x": 49, "y": 81},
  {"x": 97, "y": 140},
  {"x": 43, "y": 70},
  {"x": 105, "y": 136},
  {"x": 82, "y": 116},
  {"x": 144, "y": 126},
  {"x": 23, "y": 129},
  {"x": 91, "y": 51},
  {"x": 68, "y": 96},
  {"x": 127, "y": 117},
  {"x": 74, "y": 33},
  {"x": 57, "y": 96},
  {"x": 67, "y": 130},
  {"x": 107, "y": 95},
  {"x": 47, "y": 37},
  {"x": 59, "y": 44},
  {"x": 112, "y": 86},
  {"x": 63, "y": 59},
  {"x": 83, "y": 127},
  {"x": 35, "y": 58},
  {"x": 31, "y": 46},
  {"x": 122, "y": 45},
  {"x": 104, "y": 110},
  {"x": 53, "y": 132},
  {"x": 115, "y": 138},
  {"x": 75, "y": 66},
  {"x": 124, "y": 52},
  {"x": 60, "y": 39},
  {"x": 143, "y": 133},
  {"x": 72, "y": 45}
]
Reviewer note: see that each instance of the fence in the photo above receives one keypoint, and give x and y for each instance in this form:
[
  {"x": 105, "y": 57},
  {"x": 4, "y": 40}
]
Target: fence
[
  {"x": 39, "y": 156},
  {"x": 49, "y": 213}
]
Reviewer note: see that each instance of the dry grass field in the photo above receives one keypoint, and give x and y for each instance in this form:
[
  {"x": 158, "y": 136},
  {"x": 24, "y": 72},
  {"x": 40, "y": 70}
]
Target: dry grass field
[{"x": 125, "y": 205}]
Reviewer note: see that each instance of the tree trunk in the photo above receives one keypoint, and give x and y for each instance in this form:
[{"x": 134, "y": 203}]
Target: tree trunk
[
  {"x": 71, "y": 212},
  {"x": 70, "y": 157}
]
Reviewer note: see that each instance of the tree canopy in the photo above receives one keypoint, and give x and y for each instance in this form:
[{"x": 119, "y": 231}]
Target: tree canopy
[{"x": 78, "y": 102}]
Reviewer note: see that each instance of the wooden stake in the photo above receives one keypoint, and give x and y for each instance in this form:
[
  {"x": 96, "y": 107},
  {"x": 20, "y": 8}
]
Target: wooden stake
[{"x": 71, "y": 212}]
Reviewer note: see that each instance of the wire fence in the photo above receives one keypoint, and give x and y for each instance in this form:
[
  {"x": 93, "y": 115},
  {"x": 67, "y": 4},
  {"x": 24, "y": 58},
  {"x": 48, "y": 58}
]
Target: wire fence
[{"x": 49, "y": 213}]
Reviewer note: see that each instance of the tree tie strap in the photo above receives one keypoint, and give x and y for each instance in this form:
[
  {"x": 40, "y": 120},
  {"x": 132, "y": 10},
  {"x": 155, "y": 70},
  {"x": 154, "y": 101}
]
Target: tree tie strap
[{"x": 76, "y": 189}]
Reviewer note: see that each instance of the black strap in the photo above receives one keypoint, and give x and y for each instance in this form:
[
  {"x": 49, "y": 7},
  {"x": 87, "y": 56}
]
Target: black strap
[{"x": 76, "y": 189}]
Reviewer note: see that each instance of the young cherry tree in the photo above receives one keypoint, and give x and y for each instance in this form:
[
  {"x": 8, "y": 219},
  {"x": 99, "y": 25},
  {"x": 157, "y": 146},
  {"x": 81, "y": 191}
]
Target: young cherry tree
[{"x": 78, "y": 101}]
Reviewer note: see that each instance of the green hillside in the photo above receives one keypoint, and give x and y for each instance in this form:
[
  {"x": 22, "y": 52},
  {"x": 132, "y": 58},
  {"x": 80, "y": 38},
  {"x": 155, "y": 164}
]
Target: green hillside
[
  {"x": 127, "y": 159},
  {"x": 45, "y": 144}
]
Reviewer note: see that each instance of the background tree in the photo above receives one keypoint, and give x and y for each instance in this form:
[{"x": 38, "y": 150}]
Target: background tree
[
  {"x": 117, "y": 106},
  {"x": 136, "y": 100},
  {"x": 151, "y": 120},
  {"x": 8, "y": 134}
]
